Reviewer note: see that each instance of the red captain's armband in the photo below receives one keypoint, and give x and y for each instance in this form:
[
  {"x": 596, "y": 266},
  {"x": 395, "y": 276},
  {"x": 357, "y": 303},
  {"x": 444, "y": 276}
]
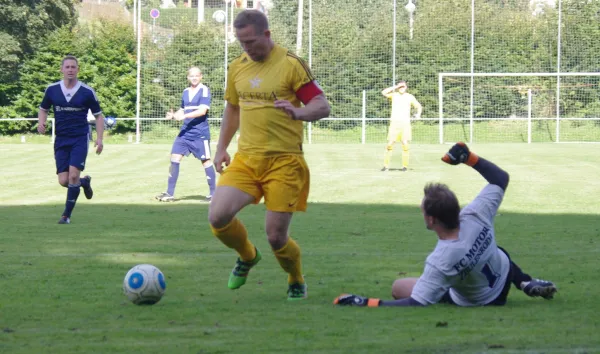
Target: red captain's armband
[{"x": 309, "y": 91}]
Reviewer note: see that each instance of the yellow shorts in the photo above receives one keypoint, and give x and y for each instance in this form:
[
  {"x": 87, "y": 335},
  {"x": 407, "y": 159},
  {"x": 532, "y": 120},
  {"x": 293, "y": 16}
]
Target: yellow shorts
[
  {"x": 282, "y": 180},
  {"x": 398, "y": 133}
]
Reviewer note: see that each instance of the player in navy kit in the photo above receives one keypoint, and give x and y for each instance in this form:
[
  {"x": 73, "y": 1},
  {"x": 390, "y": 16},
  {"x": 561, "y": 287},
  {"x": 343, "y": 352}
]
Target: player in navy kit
[
  {"x": 194, "y": 136},
  {"x": 466, "y": 268},
  {"x": 71, "y": 99}
]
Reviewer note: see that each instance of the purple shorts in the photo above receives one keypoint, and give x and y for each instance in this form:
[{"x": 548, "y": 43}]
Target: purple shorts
[
  {"x": 199, "y": 147},
  {"x": 70, "y": 151}
]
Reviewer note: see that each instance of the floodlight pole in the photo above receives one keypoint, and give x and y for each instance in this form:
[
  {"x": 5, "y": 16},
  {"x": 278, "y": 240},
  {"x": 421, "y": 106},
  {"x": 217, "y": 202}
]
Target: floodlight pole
[
  {"x": 299, "y": 29},
  {"x": 410, "y": 7},
  {"x": 310, "y": 57},
  {"x": 226, "y": 64},
  {"x": 472, "y": 90},
  {"x": 310, "y": 27},
  {"x": 558, "y": 73},
  {"x": 138, "y": 73},
  {"x": 394, "y": 45},
  {"x": 200, "y": 11},
  {"x": 135, "y": 9}
]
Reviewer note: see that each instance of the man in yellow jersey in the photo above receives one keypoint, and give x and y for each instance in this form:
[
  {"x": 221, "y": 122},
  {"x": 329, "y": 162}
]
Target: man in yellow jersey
[
  {"x": 270, "y": 93},
  {"x": 400, "y": 128}
]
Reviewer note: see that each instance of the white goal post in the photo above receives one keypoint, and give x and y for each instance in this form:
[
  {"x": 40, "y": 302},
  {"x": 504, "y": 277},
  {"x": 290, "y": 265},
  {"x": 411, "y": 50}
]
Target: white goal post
[{"x": 556, "y": 118}]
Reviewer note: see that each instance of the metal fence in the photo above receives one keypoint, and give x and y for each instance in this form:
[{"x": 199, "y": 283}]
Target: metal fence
[{"x": 474, "y": 65}]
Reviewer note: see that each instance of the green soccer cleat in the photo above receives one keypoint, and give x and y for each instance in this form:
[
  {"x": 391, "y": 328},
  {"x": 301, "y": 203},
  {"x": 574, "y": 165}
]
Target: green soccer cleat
[
  {"x": 297, "y": 291},
  {"x": 240, "y": 271}
]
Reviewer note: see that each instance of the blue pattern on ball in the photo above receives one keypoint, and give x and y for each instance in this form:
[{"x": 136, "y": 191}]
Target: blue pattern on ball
[
  {"x": 110, "y": 122},
  {"x": 136, "y": 280},
  {"x": 161, "y": 281}
]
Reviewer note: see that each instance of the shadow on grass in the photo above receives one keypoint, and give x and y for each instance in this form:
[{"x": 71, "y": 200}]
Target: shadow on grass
[
  {"x": 383, "y": 233},
  {"x": 362, "y": 249},
  {"x": 398, "y": 170},
  {"x": 201, "y": 198}
]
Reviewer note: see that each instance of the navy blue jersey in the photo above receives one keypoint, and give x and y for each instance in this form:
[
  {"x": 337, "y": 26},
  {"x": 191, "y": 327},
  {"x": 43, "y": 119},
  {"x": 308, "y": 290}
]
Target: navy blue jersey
[
  {"x": 71, "y": 107},
  {"x": 195, "y": 128}
]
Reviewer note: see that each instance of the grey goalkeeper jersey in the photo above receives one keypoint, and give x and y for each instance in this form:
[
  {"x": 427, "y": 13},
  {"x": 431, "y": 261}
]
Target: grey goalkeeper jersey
[{"x": 472, "y": 268}]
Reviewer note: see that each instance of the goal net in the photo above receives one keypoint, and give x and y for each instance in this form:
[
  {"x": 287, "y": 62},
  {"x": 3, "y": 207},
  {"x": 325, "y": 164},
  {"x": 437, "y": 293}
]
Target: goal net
[
  {"x": 357, "y": 48},
  {"x": 519, "y": 107}
]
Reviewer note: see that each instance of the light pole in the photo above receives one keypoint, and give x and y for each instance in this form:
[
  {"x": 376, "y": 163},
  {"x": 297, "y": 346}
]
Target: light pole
[
  {"x": 410, "y": 7},
  {"x": 299, "y": 28},
  {"x": 200, "y": 11}
]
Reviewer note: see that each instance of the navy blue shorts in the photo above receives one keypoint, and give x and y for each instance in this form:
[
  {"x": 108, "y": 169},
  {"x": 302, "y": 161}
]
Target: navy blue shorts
[
  {"x": 199, "y": 147},
  {"x": 70, "y": 151}
]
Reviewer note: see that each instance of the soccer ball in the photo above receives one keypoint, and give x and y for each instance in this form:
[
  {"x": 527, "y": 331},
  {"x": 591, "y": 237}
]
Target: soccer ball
[
  {"x": 110, "y": 122},
  {"x": 219, "y": 16},
  {"x": 144, "y": 284}
]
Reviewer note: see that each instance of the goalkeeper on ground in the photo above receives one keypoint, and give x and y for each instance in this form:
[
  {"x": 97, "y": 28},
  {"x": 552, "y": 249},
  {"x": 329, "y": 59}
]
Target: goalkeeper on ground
[
  {"x": 467, "y": 267},
  {"x": 400, "y": 128}
]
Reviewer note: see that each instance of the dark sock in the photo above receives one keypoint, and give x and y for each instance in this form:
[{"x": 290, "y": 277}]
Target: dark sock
[
  {"x": 211, "y": 178},
  {"x": 518, "y": 276},
  {"x": 72, "y": 194},
  {"x": 173, "y": 175}
]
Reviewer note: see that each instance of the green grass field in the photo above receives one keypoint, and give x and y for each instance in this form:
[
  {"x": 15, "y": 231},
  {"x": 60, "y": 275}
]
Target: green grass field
[{"x": 60, "y": 285}]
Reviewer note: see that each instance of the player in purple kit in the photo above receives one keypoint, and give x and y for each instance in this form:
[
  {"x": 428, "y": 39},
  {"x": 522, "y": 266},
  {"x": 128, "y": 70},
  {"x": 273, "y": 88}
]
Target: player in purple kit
[
  {"x": 71, "y": 99},
  {"x": 194, "y": 136},
  {"x": 467, "y": 267}
]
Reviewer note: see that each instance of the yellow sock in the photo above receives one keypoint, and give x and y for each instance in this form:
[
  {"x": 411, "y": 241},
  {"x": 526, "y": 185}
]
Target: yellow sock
[
  {"x": 234, "y": 235},
  {"x": 387, "y": 156},
  {"x": 405, "y": 155},
  {"x": 290, "y": 260}
]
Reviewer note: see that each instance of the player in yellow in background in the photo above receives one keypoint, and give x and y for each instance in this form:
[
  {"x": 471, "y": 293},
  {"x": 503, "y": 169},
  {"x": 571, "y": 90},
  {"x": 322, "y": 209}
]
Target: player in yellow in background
[
  {"x": 270, "y": 93},
  {"x": 400, "y": 129}
]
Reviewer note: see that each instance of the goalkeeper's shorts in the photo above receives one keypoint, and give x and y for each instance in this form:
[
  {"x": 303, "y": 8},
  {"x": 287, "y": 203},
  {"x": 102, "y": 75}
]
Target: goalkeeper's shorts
[{"x": 400, "y": 132}]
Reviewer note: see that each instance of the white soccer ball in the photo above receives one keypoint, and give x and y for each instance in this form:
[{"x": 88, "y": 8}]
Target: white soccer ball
[
  {"x": 144, "y": 284},
  {"x": 109, "y": 122},
  {"x": 219, "y": 16}
]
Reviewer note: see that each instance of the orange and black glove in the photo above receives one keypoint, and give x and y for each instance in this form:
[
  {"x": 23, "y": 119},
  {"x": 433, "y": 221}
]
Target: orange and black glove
[
  {"x": 355, "y": 300},
  {"x": 459, "y": 153}
]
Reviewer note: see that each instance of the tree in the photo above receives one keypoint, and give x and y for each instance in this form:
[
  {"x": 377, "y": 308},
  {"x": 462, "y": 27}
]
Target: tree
[
  {"x": 107, "y": 63},
  {"x": 24, "y": 24}
]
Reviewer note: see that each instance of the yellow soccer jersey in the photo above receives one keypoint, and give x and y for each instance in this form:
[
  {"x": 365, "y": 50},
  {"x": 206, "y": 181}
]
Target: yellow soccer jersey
[
  {"x": 255, "y": 86},
  {"x": 401, "y": 105}
]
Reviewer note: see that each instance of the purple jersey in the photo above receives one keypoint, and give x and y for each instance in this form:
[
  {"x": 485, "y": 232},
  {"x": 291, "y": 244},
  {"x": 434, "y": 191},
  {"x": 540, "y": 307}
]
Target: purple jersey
[
  {"x": 71, "y": 107},
  {"x": 191, "y": 100}
]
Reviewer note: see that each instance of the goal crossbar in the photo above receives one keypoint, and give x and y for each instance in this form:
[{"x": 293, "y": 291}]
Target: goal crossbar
[{"x": 519, "y": 74}]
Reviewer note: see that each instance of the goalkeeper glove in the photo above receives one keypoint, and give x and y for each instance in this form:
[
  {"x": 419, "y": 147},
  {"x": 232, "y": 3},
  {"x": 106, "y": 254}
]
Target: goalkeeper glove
[
  {"x": 459, "y": 153},
  {"x": 355, "y": 300}
]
